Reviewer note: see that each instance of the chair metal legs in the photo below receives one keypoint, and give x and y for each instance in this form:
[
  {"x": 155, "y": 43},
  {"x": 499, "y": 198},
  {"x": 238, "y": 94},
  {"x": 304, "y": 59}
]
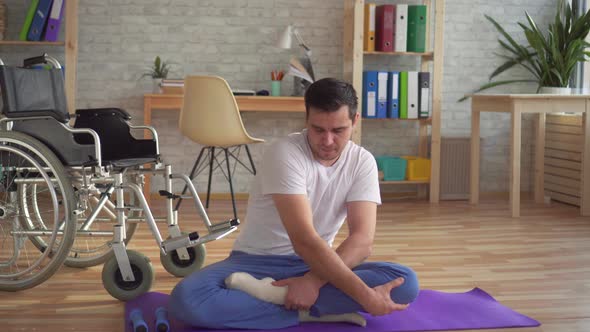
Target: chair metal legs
[
  {"x": 212, "y": 158},
  {"x": 250, "y": 158},
  {"x": 231, "y": 186}
]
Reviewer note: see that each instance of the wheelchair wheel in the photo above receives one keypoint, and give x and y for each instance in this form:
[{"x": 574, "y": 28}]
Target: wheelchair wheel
[
  {"x": 24, "y": 161},
  {"x": 143, "y": 272},
  {"x": 181, "y": 268},
  {"x": 86, "y": 251}
]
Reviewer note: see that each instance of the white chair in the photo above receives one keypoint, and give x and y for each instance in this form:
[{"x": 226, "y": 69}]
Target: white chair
[{"x": 210, "y": 117}]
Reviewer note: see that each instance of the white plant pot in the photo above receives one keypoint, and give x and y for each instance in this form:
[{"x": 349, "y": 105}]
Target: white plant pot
[
  {"x": 550, "y": 90},
  {"x": 157, "y": 82}
]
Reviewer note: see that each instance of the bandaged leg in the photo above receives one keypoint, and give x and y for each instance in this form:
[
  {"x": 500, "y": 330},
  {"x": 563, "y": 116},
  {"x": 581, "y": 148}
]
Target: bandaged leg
[{"x": 263, "y": 289}]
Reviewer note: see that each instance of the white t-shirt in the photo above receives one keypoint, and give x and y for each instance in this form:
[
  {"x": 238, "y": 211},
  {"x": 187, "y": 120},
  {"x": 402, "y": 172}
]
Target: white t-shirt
[{"x": 288, "y": 167}]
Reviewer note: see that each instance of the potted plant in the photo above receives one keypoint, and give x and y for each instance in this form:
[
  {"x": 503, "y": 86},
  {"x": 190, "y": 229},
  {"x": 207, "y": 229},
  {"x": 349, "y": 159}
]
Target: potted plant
[
  {"x": 551, "y": 59},
  {"x": 158, "y": 71}
]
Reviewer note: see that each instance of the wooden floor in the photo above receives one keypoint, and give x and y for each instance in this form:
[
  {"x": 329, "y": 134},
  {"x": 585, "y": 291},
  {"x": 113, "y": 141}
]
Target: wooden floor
[{"x": 538, "y": 264}]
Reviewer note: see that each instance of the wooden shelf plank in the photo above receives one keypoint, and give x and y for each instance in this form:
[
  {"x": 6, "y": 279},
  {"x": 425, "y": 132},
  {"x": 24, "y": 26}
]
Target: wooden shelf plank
[
  {"x": 31, "y": 43},
  {"x": 428, "y": 55},
  {"x": 406, "y": 182},
  {"x": 424, "y": 120}
]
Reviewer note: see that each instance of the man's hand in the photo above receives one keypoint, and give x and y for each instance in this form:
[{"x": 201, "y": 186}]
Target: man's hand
[
  {"x": 380, "y": 303},
  {"x": 302, "y": 291}
]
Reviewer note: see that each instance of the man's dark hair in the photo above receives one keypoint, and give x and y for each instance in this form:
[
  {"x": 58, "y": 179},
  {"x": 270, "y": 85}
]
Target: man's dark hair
[{"x": 329, "y": 94}]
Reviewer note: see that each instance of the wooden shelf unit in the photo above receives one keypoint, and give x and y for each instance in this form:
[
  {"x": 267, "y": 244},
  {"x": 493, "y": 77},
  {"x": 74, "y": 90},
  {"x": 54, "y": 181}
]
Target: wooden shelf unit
[
  {"x": 30, "y": 43},
  {"x": 353, "y": 72},
  {"x": 70, "y": 44}
]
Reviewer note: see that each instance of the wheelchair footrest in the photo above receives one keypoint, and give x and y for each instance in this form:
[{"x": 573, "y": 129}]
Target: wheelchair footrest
[
  {"x": 215, "y": 235},
  {"x": 224, "y": 224},
  {"x": 185, "y": 242},
  {"x": 182, "y": 241},
  {"x": 168, "y": 194}
]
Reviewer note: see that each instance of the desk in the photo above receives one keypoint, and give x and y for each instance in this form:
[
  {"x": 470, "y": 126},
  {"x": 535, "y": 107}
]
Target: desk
[
  {"x": 516, "y": 105},
  {"x": 160, "y": 101}
]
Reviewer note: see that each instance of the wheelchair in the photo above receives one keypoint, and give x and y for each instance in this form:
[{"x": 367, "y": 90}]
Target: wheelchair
[{"x": 73, "y": 194}]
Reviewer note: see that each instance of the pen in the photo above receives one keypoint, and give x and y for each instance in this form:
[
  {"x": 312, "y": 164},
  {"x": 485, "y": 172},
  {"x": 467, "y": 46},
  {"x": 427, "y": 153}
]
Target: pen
[{"x": 277, "y": 75}]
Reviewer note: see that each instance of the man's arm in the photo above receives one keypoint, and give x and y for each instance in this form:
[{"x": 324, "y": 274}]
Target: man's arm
[
  {"x": 296, "y": 216},
  {"x": 358, "y": 245}
]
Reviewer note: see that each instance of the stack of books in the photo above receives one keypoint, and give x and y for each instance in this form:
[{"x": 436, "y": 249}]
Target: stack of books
[
  {"x": 2, "y": 19},
  {"x": 172, "y": 86},
  {"x": 175, "y": 86}
]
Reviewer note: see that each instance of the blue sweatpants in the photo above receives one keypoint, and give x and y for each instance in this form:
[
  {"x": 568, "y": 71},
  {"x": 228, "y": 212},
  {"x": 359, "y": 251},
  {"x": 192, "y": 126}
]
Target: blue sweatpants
[{"x": 201, "y": 299}]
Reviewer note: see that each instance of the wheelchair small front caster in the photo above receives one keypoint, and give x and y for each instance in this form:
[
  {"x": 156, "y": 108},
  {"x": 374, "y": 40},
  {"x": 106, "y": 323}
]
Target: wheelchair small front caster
[
  {"x": 181, "y": 268},
  {"x": 143, "y": 272}
]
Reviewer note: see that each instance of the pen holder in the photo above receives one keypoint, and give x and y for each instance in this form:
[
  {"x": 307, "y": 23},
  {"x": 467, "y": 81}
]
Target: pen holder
[{"x": 275, "y": 88}]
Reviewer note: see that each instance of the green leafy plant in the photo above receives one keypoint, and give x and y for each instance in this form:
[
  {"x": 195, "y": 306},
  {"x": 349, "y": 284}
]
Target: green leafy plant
[
  {"x": 159, "y": 69},
  {"x": 550, "y": 59}
]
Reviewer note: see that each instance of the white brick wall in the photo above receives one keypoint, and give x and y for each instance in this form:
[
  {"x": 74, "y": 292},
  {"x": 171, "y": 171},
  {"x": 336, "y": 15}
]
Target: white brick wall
[
  {"x": 470, "y": 44},
  {"x": 235, "y": 39}
]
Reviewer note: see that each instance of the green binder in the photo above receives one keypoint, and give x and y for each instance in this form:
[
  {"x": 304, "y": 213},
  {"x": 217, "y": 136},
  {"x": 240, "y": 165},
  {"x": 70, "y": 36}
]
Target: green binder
[
  {"x": 416, "y": 28},
  {"x": 28, "y": 19},
  {"x": 403, "y": 95}
]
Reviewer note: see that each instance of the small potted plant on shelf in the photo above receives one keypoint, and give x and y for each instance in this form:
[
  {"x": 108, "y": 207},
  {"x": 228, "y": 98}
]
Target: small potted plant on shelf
[
  {"x": 551, "y": 59},
  {"x": 158, "y": 71}
]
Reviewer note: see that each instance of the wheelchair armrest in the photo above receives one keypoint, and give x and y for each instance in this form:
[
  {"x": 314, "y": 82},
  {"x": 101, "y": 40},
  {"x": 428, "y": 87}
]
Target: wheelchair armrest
[
  {"x": 110, "y": 111},
  {"x": 152, "y": 131},
  {"x": 112, "y": 126},
  {"x": 95, "y": 137},
  {"x": 60, "y": 138}
]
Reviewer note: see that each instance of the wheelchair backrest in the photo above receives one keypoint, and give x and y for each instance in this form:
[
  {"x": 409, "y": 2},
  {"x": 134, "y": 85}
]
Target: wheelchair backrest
[{"x": 33, "y": 92}]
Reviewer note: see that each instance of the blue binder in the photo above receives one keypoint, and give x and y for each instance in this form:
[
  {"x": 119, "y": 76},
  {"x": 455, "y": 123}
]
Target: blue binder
[
  {"x": 393, "y": 95},
  {"x": 39, "y": 20},
  {"x": 370, "y": 94},
  {"x": 382, "y": 78}
]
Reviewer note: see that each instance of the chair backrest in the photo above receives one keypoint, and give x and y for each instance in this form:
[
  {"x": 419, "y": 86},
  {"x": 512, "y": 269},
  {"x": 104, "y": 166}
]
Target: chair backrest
[
  {"x": 33, "y": 92},
  {"x": 210, "y": 114}
]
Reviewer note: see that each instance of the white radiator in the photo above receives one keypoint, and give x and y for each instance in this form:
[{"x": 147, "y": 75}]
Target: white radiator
[
  {"x": 564, "y": 138},
  {"x": 455, "y": 155}
]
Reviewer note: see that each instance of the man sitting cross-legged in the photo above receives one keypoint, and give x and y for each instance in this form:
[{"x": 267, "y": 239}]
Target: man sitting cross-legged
[{"x": 309, "y": 183}]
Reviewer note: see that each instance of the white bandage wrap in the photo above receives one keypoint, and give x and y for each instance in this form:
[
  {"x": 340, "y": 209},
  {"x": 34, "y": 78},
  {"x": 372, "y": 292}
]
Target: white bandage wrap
[{"x": 261, "y": 289}]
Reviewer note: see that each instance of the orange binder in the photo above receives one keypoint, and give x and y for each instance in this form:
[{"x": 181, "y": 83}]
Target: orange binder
[{"x": 369, "y": 28}]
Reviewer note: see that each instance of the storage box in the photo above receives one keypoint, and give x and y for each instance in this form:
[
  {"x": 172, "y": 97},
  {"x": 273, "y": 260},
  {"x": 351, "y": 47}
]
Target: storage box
[
  {"x": 393, "y": 168},
  {"x": 418, "y": 169}
]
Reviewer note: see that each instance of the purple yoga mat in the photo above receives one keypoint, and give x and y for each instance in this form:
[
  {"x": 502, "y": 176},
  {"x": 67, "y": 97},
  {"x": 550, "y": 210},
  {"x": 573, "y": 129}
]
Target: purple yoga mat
[{"x": 432, "y": 311}]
